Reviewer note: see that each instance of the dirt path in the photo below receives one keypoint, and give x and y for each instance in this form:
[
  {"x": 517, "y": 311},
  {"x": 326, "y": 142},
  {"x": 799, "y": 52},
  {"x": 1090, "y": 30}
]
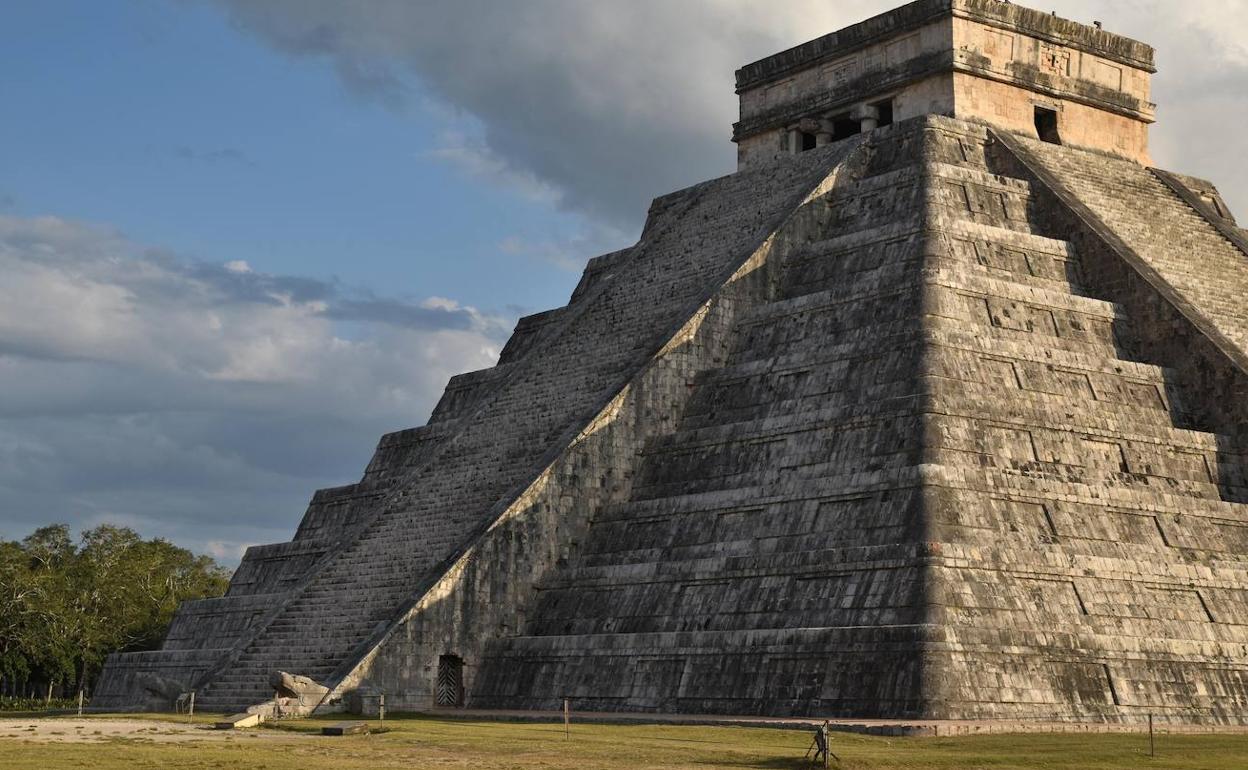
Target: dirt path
[{"x": 93, "y": 730}]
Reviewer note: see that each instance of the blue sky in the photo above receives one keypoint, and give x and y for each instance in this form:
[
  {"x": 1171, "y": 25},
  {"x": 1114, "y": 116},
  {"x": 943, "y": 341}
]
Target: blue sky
[
  {"x": 241, "y": 239},
  {"x": 164, "y": 121}
]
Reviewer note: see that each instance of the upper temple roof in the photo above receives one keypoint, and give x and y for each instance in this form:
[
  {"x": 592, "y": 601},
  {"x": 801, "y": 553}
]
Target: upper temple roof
[
  {"x": 979, "y": 60},
  {"x": 921, "y": 12}
]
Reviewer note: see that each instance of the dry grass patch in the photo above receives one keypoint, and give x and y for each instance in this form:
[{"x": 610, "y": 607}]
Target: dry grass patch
[{"x": 435, "y": 743}]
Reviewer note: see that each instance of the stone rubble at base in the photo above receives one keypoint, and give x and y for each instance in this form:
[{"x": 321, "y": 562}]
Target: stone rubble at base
[{"x": 936, "y": 421}]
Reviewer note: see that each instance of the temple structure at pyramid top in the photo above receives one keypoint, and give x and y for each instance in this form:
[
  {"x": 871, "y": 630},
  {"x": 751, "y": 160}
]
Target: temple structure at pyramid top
[
  {"x": 937, "y": 408},
  {"x": 975, "y": 60}
]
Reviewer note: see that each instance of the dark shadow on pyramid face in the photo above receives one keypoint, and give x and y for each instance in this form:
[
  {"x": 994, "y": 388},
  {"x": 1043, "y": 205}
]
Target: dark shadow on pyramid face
[
  {"x": 1200, "y": 388},
  {"x": 1232, "y": 471}
]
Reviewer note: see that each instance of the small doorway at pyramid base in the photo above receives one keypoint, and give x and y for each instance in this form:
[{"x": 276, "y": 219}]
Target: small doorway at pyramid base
[{"x": 449, "y": 692}]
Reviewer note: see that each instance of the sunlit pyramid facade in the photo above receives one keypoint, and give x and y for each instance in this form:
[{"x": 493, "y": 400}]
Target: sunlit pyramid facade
[{"x": 937, "y": 408}]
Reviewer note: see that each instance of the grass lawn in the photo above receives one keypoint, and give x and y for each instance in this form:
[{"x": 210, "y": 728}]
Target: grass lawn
[{"x": 434, "y": 743}]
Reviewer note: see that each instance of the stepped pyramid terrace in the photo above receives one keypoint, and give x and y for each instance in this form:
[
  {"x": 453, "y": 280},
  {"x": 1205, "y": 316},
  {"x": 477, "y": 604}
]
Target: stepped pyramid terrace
[{"x": 937, "y": 408}]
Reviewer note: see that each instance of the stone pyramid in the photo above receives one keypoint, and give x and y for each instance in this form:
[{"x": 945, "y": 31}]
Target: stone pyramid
[{"x": 936, "y": 409}]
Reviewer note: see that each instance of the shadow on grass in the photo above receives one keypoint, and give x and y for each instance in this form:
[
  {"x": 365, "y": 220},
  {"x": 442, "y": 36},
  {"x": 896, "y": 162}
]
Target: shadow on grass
[{"x": 771, "y": 763}]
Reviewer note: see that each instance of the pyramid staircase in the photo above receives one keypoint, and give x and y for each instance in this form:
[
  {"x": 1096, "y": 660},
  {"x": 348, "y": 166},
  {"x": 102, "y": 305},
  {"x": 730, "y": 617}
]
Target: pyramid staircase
[
  {"x": 507, "y": 430},
  {"x": 939, "y": 475}
]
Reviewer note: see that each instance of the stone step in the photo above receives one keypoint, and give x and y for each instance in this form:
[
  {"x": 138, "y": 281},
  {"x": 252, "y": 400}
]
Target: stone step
[
  {"x": 1039, "y": 414},
  {"x": 729, "y": 406},
  {"x": 812, "y": 356},
  {"x": 813, "y": 640},
  {"x": 1000, "y": 483},
  {"x": 967, "y": 346},
  {"x": 845, "y": 313},
  {"x": 1163, "y": 230},
  {"x": 886, "y": 334},
  {"x": 800, "y": 564},
  {"x": 853, "y": 485},
  {"x": 807, "y": 335},
  {"x": 1074, "y": 394},
  {"x": 1068, "y": 400},
  {"x": 1112, "y": 482},
  {"x": 979, "y": 279}
]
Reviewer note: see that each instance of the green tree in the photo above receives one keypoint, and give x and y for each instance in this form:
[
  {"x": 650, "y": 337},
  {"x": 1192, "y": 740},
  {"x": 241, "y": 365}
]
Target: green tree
[
  {"x": 18, "y": 594},
  {"x": 65, "y": 606}
]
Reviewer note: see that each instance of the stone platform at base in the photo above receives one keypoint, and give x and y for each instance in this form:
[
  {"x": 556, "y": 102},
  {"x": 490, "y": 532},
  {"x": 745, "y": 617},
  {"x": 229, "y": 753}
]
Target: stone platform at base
[
  {"x": 238, "y": 721},
  {"x": 877, "y": 727},
  {"x": 346, "y": 728}
]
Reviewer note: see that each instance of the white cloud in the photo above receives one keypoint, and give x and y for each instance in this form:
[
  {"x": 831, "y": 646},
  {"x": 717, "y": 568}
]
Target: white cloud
[
  {"x": 226, "y": 552},
  {"x": 196, "y": 399},
  {"x": 204, "y": 402},
  {"x": 610, "y": 104},
  {"x": 441, "y": 303},
  {"x": 475, "y": 158},
  {"x": 567, "y": 252}
]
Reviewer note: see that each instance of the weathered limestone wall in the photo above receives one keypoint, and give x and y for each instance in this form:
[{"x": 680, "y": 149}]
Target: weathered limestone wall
[
  {"x": 1080, "y": 465},
  {"x": 1202, "y": 273},
  {"x": 939, "y": 475},
  {"x": 1008, "y": 107},
  {"x": 782, "y": 518},
  {"x": 977, "y": 60},
  {"x": 1005, "y": 71},
  {"x": 886, "y": 63},
  {"x": 929, "y": 96},
  {"x": 216, "y": 623}
]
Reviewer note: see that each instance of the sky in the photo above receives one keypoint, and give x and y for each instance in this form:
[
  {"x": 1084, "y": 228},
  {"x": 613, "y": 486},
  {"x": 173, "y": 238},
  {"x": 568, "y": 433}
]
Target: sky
[{"x": 241, "y": 239}]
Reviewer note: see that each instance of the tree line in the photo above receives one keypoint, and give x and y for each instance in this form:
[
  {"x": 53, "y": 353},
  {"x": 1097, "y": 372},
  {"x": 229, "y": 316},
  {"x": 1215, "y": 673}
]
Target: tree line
[{"x": 66, "y": 604}]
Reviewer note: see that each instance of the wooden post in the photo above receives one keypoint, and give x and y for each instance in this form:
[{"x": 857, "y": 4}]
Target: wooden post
[
  {"x": 1152, "y": 738},
  {"x": 80, "y": 703},
  {"x": 190, "y": 708},
  {"x": 567, "y": 720},
  {"x": 48, "y": 700},
  {"x": 381, "y": 707}
]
